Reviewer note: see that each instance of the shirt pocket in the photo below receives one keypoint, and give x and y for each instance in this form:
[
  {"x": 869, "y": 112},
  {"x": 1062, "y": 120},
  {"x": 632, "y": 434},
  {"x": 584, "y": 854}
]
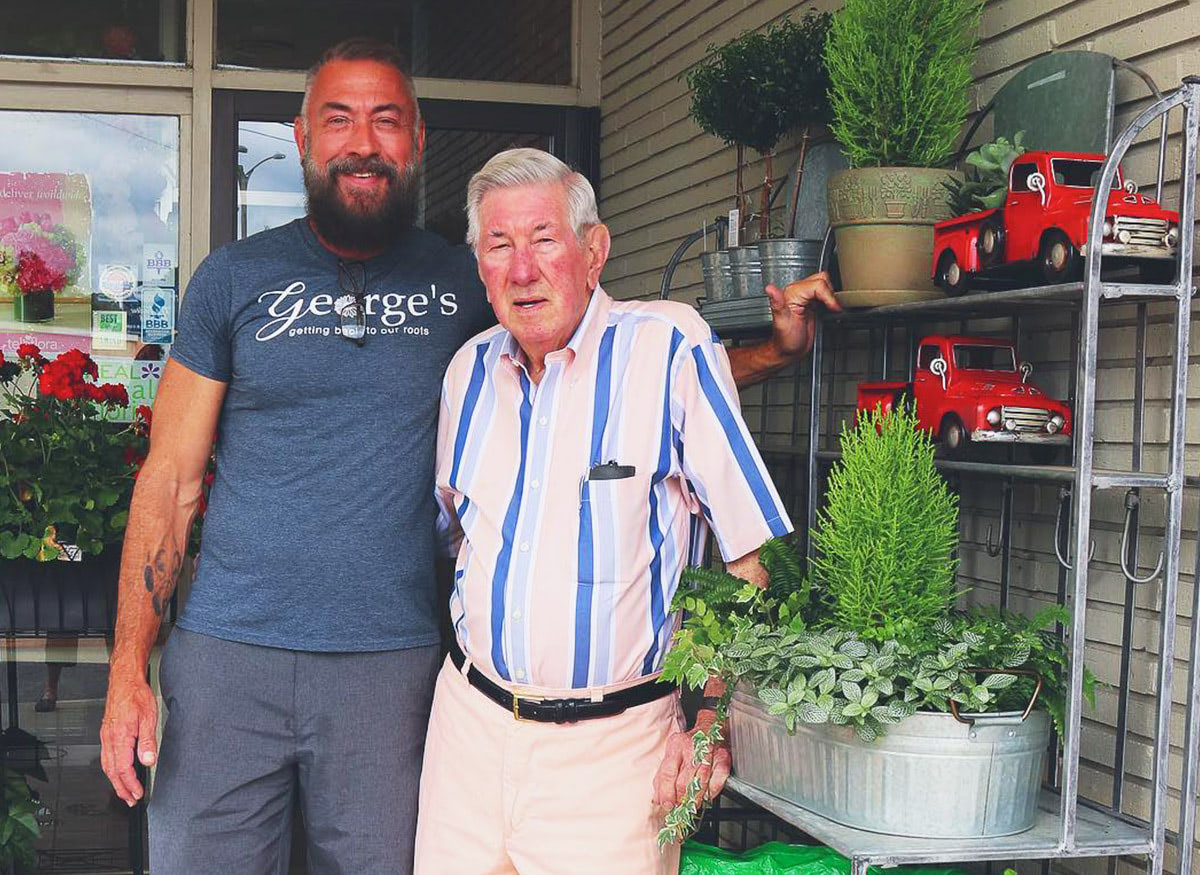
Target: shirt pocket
[{"x": 615, "y": 541}]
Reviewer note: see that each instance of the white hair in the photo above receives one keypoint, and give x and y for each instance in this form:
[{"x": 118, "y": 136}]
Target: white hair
[{"x": 517, "y": 167}]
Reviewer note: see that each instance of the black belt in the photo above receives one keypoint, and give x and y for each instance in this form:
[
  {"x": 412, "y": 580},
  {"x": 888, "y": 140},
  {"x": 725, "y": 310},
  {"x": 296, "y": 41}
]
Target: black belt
[{"x": 542, "y": 710}]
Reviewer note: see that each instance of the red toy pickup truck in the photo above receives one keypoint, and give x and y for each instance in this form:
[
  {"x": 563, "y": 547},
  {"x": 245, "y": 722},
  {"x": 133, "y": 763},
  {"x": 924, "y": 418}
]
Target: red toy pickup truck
[
  {"x": 1044, "y": 223},
  {"x": 969, "y": 389}
]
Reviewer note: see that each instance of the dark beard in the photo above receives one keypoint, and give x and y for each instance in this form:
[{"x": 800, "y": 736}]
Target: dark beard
[{"x": 357, "y": 226}]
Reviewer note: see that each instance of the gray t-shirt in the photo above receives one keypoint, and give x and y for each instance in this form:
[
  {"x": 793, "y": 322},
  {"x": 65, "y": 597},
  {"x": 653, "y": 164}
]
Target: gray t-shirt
[{"x": 319, "y": 533}]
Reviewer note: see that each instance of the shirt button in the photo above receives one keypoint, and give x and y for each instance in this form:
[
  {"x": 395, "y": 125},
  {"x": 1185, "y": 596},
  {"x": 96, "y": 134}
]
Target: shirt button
[
  {"x": 535, "y": 484},
  {"x": 520, "y": 674},
  {"x": 516, "y": 615},
  {"x": 524, "y": 546},
  {"x": 544, "y": 421}
]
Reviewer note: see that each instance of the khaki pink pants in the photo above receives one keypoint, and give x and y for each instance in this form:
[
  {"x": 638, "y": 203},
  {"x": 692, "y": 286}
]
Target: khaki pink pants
[{"x": 502, "y": 796}]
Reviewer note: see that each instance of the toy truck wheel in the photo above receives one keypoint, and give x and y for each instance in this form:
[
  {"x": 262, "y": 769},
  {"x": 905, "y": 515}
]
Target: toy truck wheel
[
  {"x": 991, "y": 241},
  {"x": 953, "y": 435},
  {"x": 950, "y": 276},
  {"x": 1057, "y": 258}
]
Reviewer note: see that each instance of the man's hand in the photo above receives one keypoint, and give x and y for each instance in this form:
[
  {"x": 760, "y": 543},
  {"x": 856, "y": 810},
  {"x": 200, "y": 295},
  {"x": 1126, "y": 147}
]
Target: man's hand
[
  {"x": 793, "y": 317},
  {"x": 678, "y": 769},
  {"x": 130, "y": 718},
  {"x": 792, "y": 313}
]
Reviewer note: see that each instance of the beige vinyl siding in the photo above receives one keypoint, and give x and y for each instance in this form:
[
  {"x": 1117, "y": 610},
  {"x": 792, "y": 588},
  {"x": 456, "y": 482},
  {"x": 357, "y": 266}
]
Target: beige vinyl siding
[{"x": 661, "y": 177}]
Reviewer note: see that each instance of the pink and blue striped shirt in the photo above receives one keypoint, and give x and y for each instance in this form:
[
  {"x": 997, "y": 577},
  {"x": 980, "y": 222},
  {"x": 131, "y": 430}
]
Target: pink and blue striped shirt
[{"x": 567, "y": 564}]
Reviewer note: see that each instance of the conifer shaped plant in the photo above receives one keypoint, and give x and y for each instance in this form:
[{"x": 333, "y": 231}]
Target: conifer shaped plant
[{"x": 885, "y": 539}]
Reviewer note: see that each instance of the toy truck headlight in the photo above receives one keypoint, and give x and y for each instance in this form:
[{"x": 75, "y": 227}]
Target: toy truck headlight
[
  {"x": 1010, "y": 424},
  {"x": 1124, "y": 235},
  {"x": 993, "y": 417},
  {"x": 1171, "y": 238},
  {"x": 1055, "y": 424},
  {"x": 1108, "y": 228}
]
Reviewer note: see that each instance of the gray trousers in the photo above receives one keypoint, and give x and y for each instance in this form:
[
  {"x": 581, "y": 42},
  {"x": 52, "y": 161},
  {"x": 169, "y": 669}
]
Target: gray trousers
[{"x": 250, "y": 729}]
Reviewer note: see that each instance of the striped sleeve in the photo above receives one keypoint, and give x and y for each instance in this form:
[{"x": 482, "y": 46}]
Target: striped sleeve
[
  {"x": 718, "y": 457},
  {"x": 449, "y": 529}
]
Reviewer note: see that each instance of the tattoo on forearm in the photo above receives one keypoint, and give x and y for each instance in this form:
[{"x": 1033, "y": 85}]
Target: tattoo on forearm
[{"x": 159, "y": 577}]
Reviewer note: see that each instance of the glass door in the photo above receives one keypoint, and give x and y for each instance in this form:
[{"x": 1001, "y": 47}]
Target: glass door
[{"x": 258, "y": 184}]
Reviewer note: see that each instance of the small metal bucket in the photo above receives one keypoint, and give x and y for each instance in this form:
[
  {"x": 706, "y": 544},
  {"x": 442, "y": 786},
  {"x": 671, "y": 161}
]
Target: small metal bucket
[
  {"x": 929, "y": 777},
  {"x": 787, "y": 260},
  {"x": 718, "y": 275},
  {"x": 747, "y": 271}
]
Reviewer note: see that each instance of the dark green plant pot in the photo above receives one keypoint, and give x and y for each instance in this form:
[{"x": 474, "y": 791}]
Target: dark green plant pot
[
  {"x": 47, "y": 598},
  {"x": 34, "y": 306}
]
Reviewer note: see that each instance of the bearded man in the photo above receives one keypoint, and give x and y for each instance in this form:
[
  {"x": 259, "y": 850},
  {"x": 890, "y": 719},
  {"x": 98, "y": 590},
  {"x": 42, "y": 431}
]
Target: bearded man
[{"x": 302, "y": 666}]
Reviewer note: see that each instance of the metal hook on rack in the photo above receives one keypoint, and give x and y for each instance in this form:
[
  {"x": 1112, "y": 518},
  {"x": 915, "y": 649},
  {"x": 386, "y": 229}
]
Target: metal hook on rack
[
  {"x": 1131, "y": 504},
  {"x": 993, "y": 547},
  {"x": 1064, "y": 496}
]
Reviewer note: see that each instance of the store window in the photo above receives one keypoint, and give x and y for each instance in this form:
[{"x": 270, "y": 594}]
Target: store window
[
  {"x": 124, "y": 30},
  {"x": 89, "y": 209},
  {"x": 495, "y": 40}
]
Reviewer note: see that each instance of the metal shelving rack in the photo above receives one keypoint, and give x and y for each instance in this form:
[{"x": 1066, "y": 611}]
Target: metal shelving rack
[{"x": 1067, "y": 826}]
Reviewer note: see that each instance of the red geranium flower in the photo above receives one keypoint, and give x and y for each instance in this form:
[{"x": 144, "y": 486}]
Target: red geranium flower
[
  {"x": 29, "y": 351},
  {"x": 115, "y": 393}
]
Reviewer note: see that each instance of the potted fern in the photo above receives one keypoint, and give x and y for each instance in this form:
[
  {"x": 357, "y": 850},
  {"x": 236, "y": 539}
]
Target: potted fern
[
  {"x": 900, "y": 71},
  {"x": 864, "y": 673}
]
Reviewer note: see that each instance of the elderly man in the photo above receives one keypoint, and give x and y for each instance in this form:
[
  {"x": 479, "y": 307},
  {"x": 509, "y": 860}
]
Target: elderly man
[
  {"x": 302, "y": 666},
  {"x": 584, "y": 445}
]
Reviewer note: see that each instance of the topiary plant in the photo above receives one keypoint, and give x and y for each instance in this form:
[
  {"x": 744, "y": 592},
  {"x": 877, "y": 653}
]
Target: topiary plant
[
  {"x": 985, "y": 182},
  {"x": 900, "y": 73},
  {"x": 756, "y": 88},
  {"x": 885, "y": 540}
]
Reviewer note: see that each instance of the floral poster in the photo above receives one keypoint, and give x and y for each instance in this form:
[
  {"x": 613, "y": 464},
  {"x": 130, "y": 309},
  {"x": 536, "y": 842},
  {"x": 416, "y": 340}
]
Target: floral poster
[{"x": 45, "y": 242}]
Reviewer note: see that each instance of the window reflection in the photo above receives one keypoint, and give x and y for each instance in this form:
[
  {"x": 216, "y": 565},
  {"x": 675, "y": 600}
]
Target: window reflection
[
  {"x": 270, "y": 189},
  {"x": 95, "y": 197},
  {"x": 126, "y": 30}
]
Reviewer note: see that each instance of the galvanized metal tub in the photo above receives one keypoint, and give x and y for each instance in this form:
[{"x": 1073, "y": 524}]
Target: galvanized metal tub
[
  {"x": 929, "y": 777},
  {"x": 718, "y": 275},
  {"x": 787, "y": 260},
  {"x": 746, "y": 270}
]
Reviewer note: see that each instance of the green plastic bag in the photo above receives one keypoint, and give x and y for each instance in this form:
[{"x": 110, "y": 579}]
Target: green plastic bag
[{"x": 777, "y": 858}]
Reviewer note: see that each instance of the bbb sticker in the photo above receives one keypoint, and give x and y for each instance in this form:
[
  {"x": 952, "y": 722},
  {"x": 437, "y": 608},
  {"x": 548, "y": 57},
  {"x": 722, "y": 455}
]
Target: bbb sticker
[{"x": 158, "y": 315}]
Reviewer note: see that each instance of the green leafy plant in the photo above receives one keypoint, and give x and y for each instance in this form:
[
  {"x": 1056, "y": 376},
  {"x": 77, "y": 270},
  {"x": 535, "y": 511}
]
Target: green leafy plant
[
  {"x": 900, "y": 73},
  {"x": 871, "y": 635},
  {"x": 66, "y": 473},
  {"x": 985, "y": 182},
  {"x": 760, "y": 86},
  {"x": 19, "y": 828},
  {"x": 885, "y": 539}
]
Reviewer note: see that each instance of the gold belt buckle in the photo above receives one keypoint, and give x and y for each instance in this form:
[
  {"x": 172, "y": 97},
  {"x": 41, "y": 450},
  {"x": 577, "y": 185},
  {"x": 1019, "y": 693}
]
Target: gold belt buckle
[{"x": 516, "y": 704}]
